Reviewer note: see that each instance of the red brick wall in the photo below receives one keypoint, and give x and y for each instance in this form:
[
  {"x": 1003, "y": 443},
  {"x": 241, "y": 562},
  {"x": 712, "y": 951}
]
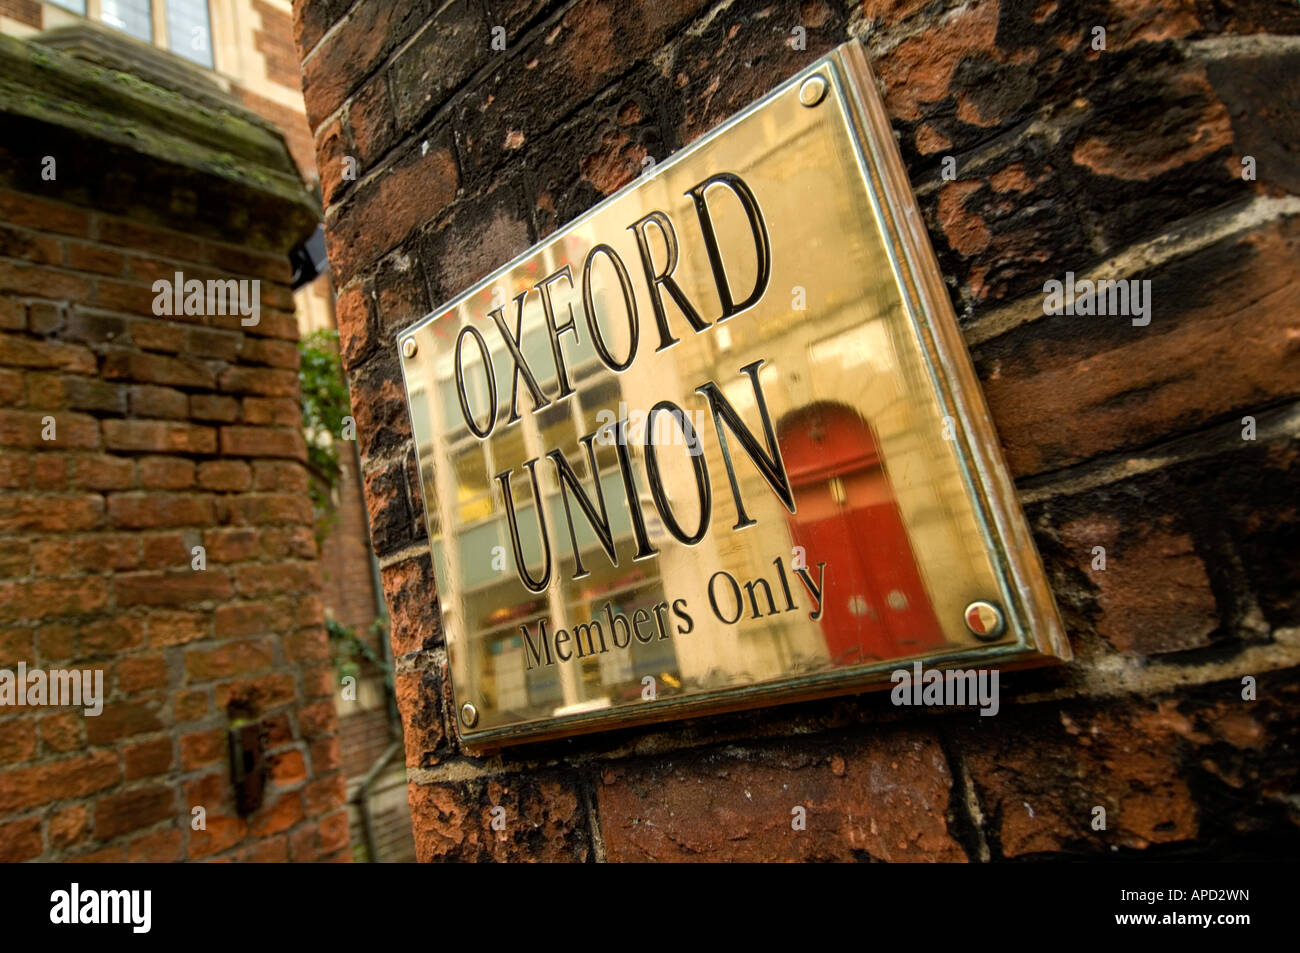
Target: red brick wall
[
  {"x": 363, "y": 737},
  {"x": 24, "y": 11},
  {"x": 291, "y": 124},
  {"x": 345, "y": 555},
  {"x": 275, "y": 42},
  {"x": 1126, "y": 162},
  {"x": 171, "y": 433}
]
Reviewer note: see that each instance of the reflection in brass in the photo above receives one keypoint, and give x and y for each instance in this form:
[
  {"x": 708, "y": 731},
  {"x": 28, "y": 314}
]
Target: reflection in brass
[
  {"x": 717, "y": 443},
  {"x": 812, "y": 91},
  {"x": 469, "y": 715},
  {"x": 984, "y": 620}
]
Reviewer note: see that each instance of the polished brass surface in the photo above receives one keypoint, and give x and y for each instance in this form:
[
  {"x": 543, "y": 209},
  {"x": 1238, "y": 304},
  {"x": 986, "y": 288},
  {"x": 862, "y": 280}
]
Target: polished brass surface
[{"x": 764, "y": 465}]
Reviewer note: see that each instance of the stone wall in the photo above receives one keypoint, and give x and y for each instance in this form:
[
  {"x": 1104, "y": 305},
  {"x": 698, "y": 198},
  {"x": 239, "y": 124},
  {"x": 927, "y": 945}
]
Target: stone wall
[{"x": 1122, "y": 162}]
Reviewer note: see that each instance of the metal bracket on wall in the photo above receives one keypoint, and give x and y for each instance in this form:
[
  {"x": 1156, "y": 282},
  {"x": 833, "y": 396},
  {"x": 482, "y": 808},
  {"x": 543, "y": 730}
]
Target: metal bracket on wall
[{"x": 247, "y": 765}]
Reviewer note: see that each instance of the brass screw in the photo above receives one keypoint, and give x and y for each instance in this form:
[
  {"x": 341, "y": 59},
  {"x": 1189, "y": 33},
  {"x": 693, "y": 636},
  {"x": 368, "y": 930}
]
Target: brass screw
[
  {"x": 985, "y": 620},
  {"x": 408, "y": 347},
  {"x": 469, "y": 715},
  {"x": 813, "y": 91}
]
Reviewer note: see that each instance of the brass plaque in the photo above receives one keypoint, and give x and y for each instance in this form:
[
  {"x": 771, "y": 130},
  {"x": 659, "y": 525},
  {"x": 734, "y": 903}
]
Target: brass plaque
[{"x": 718, "y": 443}]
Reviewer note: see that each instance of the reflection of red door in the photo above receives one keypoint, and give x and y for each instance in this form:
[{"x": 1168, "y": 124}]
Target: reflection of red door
[{"x": 875, "y": 603}]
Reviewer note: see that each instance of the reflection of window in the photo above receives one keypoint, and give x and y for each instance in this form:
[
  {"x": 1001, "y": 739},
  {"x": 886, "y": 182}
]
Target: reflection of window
[
  {"x": 130, "y": 16},
  {"x": 508, "y": 449},
  {"x": 556, "y": 426},
  {"x": 76, "y": 6},
  {"x": 189, "y": 34},
  {"x": 472, "y": 485}
]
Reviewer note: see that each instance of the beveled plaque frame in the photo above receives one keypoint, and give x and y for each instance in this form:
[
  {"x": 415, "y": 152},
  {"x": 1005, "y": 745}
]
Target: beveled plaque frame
[{"x": 1033, "y": 633}]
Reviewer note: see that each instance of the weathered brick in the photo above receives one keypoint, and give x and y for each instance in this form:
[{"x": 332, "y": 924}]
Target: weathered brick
[
  {"x": 263, "y": 442},
  {"x": 237, "y": 619},
  {"x": 325, "y": 794},
  {"x": 230, "y": 545},
  {"x": 312, "y": 20},
  {"x": 272, "y": 850},
  {"x": 410, "y": 193},
  {"x": 157, "y": 369},
  {"x": 17, "y": 740},
  {"x": 191, "y": 706},
  {"x": 124, "y": 297},
  {"x": 379, "y": 407},
  {"x": 347, "y": 55},
  {"x": 287, "y": 768},
  {"x": 152, "y": 510},
  {"x": 307, "y": 645},
  {"x": 64, "y": 430},
  {"x": 278, "y": 578},
  {"x": 180, "y": 587},
  {"x": 177, "y": 628},
  {"x": 317, "y": 719},
  {"x": 228, "y": 659},
  {"x": 259, "y": 693},
  {"x": 102, "y": 472},
  {"x": 286, "y": 542},
  {"x": 90, "y": 394},
  {"x": 30, "y": 247},
  {"x": 68, "y": 826},
  {"x": 64, "y": 731},
  {"x": 1066, "y": 388},
  {"x": 270, "y": 352},
  {"x": 370, "y": 121},
  {"x": 224, "y": 475},
  {"x": 124, "y": 719},
  {"x": 419, "y": 696},
  {"x": 131, "y": 810},
  {"x": 738, "y": 808},
  {"x": 166, "y": 473},
  {"x": 447, "y": 49},
  {"x": 1154, "y": 592},
  {"x": 277, "y": 475},
  {"x": 278, "y": 815},
  {"x": 356, "y": 324},
  {"x": 271, "y": 410},
  {"x": 93, "y": 258},
  {"x": 17, "y": 278},
  {"x": 158, "y": 336},
  {"x": 15, "y": 558},
  {"x": 151, "y": 401},
  {"x": 50, "y": 598},
  {"x": 157, "y": 847},
  {"x": 545, "y": 821},
  {"x": 213, "y": 407},
  {"x": 203, "y": 748},
  {"x": 20, "y": 840},
  {"x": 263, "y": 508},
  {"x": 265, "y": 381},
  {"x": 500, "y": 220},
  {"x": 73, "y": 777},
  {"x": 158, "y": 436},
  {"x": 147, "y": 759},
  {"x": 104, "y": 636},
  {"x": 26, "y": 352},
  {"x": 138, "y": 673}
]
